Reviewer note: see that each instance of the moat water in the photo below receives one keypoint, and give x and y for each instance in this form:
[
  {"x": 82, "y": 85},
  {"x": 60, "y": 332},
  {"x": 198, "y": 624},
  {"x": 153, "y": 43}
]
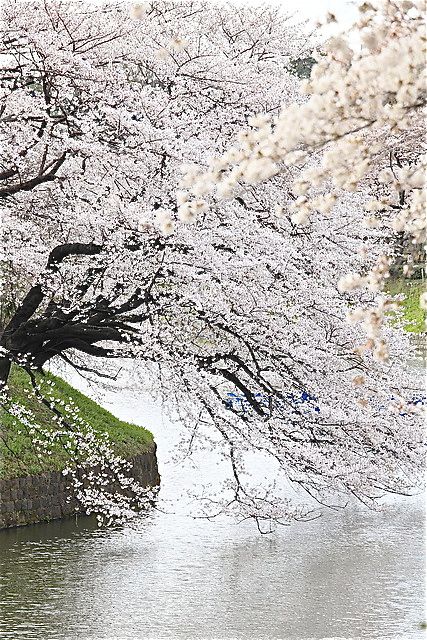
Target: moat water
[{"x": 352, "y": 574}]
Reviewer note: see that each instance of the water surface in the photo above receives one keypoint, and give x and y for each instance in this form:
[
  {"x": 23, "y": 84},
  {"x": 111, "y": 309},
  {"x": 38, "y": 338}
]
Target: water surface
[{"x": 352, "y": 574}]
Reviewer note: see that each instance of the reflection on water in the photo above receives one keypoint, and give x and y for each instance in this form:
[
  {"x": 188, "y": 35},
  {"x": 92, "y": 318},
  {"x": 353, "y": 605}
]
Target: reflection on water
[{"x": 353, "y": 574}]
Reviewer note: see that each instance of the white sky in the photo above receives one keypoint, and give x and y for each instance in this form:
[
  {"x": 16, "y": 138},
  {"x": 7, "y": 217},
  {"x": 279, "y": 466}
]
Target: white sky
[
  {"x": 344, "y": 10},
  {"x": 313, "y": 10}
]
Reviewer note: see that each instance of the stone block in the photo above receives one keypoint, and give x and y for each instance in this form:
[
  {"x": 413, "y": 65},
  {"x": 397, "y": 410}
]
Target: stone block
[
  {"x": 44, "y": 497},
  {"x": 4, "y": 496},
  {"x": 55, "y": 512}
]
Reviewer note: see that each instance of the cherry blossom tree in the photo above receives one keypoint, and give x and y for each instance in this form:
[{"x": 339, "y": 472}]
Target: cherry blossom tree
[
  {"x": 360, "y": 125},
  {"x": 239, "y": 326},
  {"x": 95, "y": 122}
]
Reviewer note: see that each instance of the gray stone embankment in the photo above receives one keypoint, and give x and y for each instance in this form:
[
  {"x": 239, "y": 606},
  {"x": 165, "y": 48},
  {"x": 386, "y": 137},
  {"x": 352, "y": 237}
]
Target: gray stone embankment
[{"x": 44, "y": 497}]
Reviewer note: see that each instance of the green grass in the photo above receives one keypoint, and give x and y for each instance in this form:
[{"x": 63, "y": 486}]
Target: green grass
[
  {"x": 18, "y": 456},
  {"x": 414, "y": 317}
]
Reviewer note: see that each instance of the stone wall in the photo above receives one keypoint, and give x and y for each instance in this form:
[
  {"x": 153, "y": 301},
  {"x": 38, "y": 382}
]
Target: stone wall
[{"x": 43, "y": 497}]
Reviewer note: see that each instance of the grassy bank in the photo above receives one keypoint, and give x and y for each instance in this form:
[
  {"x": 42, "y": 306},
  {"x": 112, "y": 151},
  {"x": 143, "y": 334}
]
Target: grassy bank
[
  {"x": 17, "y": 454},
  {"x": 414, "y": 317}
]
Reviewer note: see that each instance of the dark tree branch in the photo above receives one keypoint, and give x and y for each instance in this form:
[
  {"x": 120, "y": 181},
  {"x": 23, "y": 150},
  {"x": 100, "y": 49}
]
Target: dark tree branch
[{"x": 28, "y": 185}]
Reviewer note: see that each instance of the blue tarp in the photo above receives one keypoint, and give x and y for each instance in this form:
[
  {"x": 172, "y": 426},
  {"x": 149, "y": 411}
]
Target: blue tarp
[{"x": 238, "y": 402}]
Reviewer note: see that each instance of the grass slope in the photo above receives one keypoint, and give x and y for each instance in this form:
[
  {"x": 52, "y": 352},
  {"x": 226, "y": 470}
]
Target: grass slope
[
  {"x": 414, "y": 317},
  {"x": 17, "y": 455}
]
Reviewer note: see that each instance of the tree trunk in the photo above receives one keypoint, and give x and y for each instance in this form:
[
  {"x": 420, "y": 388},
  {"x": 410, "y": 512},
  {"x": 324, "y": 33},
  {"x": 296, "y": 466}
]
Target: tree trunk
[{"x": 5, "y": 365}]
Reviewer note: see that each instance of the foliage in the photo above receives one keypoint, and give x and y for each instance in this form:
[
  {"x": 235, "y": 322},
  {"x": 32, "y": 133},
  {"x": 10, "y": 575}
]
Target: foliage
[
  {"x": 414, "y": 316},
  {"x": 301, "y": 67}
]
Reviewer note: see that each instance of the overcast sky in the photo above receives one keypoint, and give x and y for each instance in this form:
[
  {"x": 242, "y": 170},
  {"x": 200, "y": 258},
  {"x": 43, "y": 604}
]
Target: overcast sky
[{"x": 344, "y": 10}]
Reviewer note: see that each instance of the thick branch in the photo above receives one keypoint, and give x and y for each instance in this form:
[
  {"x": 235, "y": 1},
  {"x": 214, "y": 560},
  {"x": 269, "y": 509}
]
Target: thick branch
[
  {"x": 34, "y": 297},
  {"x": 28, "y": 185}
]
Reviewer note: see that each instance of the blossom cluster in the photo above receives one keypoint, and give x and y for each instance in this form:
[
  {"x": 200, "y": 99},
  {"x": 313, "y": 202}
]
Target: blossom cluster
[{"x": 360, "y": 105}]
